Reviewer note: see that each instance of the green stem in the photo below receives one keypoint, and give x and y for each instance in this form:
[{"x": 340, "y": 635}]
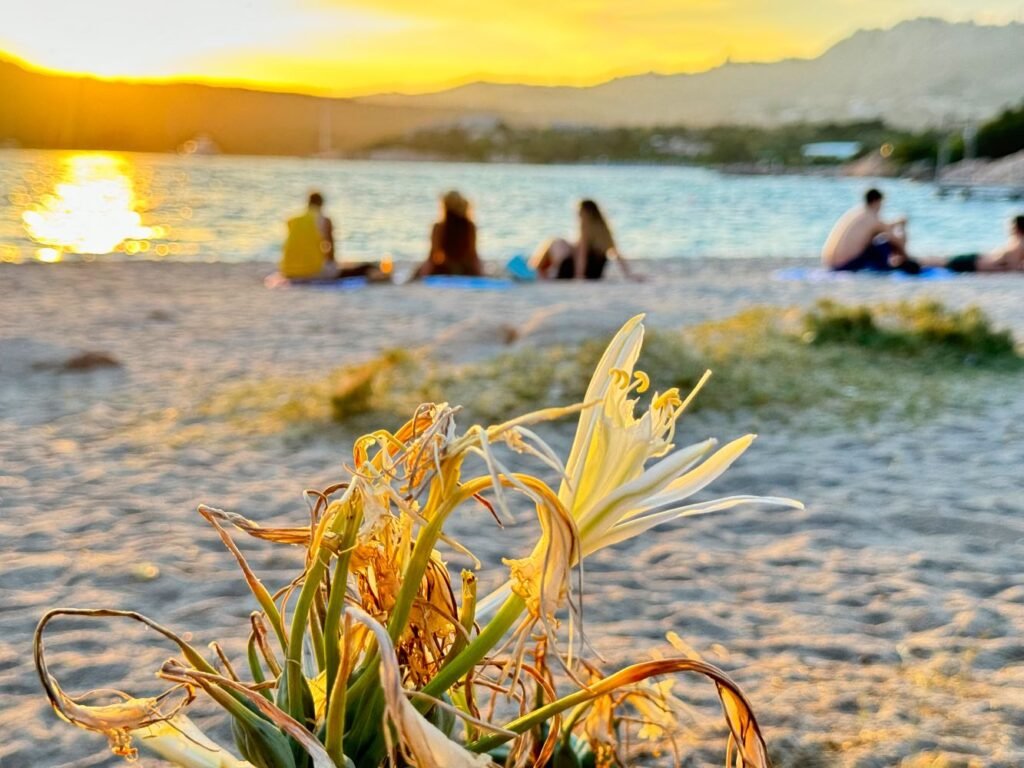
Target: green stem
[
  {"x": 254, "y": 665},
  {"x": 732, "y": 700},
  {"x": 420, "y": 559},
  {"x": 316, "y": 631},
  {"x": 467, "y": 616},
  {"x": 336, "y": 602},
  {"x": 574, "y": 718},
  {"x": 293, "y": 661},
  {"x": 489, "y": 637},
  {"x": 536, "y": 717},
  {"x": 337, "y": 696},
  {"x": 300, "y": 617}
]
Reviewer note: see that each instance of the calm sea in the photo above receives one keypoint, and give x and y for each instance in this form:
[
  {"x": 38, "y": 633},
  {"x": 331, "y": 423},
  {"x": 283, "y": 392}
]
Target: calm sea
[{"x": 72, "y": 205}]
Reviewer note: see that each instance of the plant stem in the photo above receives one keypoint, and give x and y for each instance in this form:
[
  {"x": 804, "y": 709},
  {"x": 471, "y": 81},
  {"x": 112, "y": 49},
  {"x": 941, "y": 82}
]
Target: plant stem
[
  {"x": 731, "y": 696},
  {"x": 336, "y": 602},
  {"x": 300, "y": 617},
  {"x": 489, "y": 637},
  {"x": 337, "y": 696},
  {"x": 536, "y": 717},
  {"x": 316, "y": 630},
  {"x": 425, "y": 541},
  {"x": 254, "y": 665}
]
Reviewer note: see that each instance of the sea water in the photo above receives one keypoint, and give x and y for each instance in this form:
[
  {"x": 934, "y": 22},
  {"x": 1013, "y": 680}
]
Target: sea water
[{"x": 64, "y": 205}]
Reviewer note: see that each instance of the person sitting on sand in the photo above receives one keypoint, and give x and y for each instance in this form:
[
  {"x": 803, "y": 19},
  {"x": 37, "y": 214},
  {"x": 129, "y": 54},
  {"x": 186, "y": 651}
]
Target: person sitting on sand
[
  {"x": 587, "y": 258},
  {"x": 1008, "y": 257},
  {"x": 861, "y": 240},
  {"x": 308, "y": 252},
  {"x": 452, "y": 241}
]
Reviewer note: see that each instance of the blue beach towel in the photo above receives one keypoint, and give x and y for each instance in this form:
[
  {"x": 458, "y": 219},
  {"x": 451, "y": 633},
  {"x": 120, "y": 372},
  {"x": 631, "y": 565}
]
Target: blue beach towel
[
  {"x": 464, "y": 283},
  {"x": 823, "y": 275},
  {"x": 344, "y": 284}
]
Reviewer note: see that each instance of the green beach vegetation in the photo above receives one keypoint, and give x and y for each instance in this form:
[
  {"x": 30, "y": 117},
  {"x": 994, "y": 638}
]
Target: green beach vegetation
[
  {"x": 829, "y": 362},
  {"x": 848, "y": 360}
]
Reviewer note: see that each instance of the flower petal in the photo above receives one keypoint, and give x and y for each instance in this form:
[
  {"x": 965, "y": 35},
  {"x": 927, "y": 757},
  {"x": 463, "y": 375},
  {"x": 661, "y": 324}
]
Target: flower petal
[
  {"x": 699, "y": 478},
  {"x": 632, "y": 528},
  {"x": 622, "y": 353},
  {"x": 602, "y": 516},
  {"x": 180, "y": 742}
]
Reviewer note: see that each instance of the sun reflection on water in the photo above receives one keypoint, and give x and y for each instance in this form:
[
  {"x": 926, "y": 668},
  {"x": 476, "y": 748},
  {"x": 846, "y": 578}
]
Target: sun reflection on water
[{"x": 92, "y": 210}]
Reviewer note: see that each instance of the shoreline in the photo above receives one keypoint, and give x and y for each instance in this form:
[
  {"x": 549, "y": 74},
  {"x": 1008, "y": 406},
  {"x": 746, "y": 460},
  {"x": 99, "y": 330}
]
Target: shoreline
[
  {"x": 370, "y": 156},
  {"x": 611, "y": 275}
]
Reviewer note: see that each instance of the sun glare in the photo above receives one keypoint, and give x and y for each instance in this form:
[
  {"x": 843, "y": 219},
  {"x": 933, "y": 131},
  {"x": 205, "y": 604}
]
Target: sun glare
[{"x": 92, "y": 210}]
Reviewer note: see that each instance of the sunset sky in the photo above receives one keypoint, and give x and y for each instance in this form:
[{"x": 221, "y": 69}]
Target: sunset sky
[{"x": 349, "y": 47}]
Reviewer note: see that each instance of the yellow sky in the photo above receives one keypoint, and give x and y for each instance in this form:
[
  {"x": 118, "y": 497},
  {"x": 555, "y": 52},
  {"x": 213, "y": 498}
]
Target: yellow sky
[{"x": 351, "y": 47}]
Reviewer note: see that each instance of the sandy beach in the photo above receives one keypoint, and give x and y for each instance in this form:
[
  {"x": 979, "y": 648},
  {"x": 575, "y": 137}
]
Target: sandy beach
[{"x": 882, "y": 626}]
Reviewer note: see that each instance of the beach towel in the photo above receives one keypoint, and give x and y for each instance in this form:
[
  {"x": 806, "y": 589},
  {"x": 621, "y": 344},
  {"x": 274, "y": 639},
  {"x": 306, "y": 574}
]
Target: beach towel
[
  {"x": 465, "y": 283},
  {"x": 823, "y": 275}
]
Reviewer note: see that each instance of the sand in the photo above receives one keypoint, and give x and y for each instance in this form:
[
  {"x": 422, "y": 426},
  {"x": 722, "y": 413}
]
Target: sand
[{"x": 881, "y": 626}]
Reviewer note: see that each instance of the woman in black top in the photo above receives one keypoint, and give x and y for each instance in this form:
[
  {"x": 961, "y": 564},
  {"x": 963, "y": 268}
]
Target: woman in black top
[
  {"x": 452, "y": 242},
  {"x": 587, "y": 258}
]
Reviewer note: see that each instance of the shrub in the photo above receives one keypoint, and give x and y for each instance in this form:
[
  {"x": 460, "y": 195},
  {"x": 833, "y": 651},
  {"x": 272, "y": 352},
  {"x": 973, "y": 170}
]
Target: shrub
[{"x": 924, "y": 329}]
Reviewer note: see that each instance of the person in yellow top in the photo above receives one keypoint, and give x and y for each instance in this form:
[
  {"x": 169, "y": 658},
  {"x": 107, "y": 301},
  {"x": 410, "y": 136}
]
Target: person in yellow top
[{"x": 308, "y": 252}]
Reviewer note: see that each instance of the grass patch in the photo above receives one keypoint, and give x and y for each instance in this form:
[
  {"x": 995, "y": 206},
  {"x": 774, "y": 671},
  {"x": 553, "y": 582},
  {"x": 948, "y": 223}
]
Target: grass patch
[
  {"x": 924, "y": 329},
  {"x": 849, "y": 362}
]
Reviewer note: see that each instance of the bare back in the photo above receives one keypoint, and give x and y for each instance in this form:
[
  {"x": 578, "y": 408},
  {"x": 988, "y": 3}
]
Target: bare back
[
  {"x": 851, "y": 236},
  {"x": 1006, "y": 258}
]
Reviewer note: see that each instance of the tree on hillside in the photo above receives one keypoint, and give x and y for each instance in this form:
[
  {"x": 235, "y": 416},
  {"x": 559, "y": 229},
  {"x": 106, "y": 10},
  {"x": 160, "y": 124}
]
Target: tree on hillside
[{"x": 1004, "y": 135}]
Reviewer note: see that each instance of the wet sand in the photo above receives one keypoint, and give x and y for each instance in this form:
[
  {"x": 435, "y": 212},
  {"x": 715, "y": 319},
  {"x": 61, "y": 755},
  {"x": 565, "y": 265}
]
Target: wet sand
[{"x": 882, "y": 626}]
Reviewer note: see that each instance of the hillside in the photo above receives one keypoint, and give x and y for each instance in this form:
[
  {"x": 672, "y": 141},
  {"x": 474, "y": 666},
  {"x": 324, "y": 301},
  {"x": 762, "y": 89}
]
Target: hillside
[
  {"x": 44, "y": 110},
  {"x": 920, "y": 73}
]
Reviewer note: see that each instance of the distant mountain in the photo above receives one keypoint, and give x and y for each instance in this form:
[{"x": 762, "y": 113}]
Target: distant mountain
[
  {"x": 922, "y": 72},
  {"x": 918, "y": 73},
  {"x": 44, "y": 110}
]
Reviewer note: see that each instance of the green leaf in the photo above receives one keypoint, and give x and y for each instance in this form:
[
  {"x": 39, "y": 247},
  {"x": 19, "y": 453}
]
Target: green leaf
[{"x": 262, "y": 744}]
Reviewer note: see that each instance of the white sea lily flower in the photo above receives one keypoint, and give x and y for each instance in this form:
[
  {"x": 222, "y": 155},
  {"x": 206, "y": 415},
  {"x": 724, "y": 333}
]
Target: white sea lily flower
[
  {"x": 180, "y": 742},
  {"x": 609, "y": 490}
]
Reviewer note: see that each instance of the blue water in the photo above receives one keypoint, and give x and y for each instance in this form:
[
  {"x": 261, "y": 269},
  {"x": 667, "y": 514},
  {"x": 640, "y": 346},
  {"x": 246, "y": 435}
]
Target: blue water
[{"x": 232, "y": 208}]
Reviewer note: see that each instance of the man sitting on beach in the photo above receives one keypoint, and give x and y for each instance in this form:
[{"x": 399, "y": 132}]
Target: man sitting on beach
[
  {"x": 861, "y": 240},
  {"x": 308, "y": 252},
  {"x": 1008, "y": 257}
]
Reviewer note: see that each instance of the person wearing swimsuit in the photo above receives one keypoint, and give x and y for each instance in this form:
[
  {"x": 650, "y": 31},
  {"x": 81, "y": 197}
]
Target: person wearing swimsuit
[
  {"x": 587, "y": 258},
  {"x": 1008, "y": 257}
]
